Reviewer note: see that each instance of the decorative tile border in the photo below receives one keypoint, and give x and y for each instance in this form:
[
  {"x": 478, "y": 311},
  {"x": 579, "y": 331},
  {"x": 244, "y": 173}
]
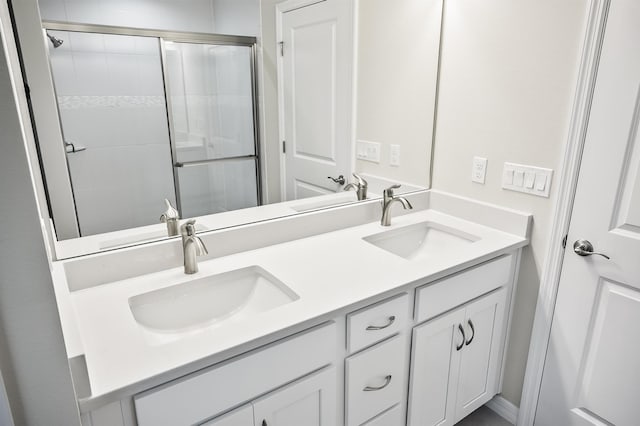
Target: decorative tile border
[{"x": 78, "y": 102}]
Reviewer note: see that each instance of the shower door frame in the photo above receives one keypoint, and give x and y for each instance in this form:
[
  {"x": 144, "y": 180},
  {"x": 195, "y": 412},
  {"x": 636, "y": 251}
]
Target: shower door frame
[{"x": 184, "y": 37}]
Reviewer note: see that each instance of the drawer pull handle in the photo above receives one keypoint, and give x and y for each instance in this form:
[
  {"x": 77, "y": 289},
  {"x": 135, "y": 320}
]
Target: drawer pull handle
[
  {"x": 391, "y": 320},
  {"x": 464, "y": 339},
  {"x": 387, "y": 380},
  {"x": 473, "y": 332}
]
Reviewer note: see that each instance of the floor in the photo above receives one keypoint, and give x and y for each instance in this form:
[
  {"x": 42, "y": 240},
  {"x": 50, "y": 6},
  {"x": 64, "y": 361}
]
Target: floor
[{"x": 484, "y": 417}]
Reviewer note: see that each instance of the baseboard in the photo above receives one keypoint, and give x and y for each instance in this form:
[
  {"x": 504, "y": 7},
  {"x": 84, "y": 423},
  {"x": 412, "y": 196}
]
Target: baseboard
[{"x": 504, "y": 409}]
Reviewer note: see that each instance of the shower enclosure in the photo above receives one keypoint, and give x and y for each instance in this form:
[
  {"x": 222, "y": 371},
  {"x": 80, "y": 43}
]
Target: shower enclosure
[{"x": 148, "y": 115}]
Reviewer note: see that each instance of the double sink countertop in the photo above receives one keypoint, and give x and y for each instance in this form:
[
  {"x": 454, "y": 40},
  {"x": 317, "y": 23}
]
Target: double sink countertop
[{"x": 329, "y": 273}]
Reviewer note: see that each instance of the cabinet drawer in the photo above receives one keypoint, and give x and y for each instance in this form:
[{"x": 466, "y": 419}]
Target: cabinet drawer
[
  {"x": 202, "y": 395},
  {"x": 375, "y": 380},
  {"x": 393, "y": 417},
  {"x": 377, "y": 322},
  {"x": 441, "y": 296}
]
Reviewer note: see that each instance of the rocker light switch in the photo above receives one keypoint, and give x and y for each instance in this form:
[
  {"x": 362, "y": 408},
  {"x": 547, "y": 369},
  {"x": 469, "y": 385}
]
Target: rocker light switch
[{"x": 527, "y": 179}]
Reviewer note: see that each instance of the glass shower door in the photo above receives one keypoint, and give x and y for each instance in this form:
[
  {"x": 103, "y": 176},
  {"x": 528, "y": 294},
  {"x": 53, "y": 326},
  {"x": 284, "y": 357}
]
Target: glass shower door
[
  {"x": 212, "y": 113},
  {"x": 110, "y": 95}
]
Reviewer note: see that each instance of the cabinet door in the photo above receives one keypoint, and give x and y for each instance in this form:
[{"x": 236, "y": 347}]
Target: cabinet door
[
  {"x": 480, "y": 356},
  {"x": 435, "y": 361},
  {"x": 243, "y": 416},
  {"x": 310, "y": 402}
]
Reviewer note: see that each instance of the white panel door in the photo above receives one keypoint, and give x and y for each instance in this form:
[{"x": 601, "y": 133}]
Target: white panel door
[
  {"x": 435, "y": 362},
  {"x": 481, "y": 354},
  {"x": 592, "y": 371},
  {"x": 309, "y": 402},
  {"x": 315, "y": 77}
]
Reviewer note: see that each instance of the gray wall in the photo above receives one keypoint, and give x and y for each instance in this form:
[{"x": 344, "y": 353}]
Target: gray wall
[{"x": 32, "y": 354}]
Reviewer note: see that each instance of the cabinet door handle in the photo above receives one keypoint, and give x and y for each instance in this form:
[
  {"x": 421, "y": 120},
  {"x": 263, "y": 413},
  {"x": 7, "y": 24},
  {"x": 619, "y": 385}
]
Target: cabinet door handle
[
  {"x": 387, "y": 380},
  {"x": 473, "y": 332},
  {"x": 464, "y": 339},
  {"x": 390, "y": 320}
]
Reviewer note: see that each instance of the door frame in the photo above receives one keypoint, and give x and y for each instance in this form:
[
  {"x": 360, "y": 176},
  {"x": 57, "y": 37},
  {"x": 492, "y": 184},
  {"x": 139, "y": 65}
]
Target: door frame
[
  {"x": 570, "y": 169},
  {"x": 282, "y": 8}
]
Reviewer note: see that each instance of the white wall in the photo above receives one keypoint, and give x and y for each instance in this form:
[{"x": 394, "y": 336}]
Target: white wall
[
  {"x": 508, "y": 75},
  {"x": 397, "y": 66},
  {"x": 32, "y": 353},
  {"x": 238, "y": 17},
  {"x": 177, "y": 15},
  {"x": 6, "y": 419},
  {"x": 269, "y": 102}
]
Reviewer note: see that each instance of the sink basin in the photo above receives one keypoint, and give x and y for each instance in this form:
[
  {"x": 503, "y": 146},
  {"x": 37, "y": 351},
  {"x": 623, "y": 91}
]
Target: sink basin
[
  {"x": 205, "y": 301},
  {"x": 421, "y": 240}
]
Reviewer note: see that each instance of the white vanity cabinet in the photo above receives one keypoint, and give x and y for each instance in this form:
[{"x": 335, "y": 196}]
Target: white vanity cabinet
[
  {"x": 308, "y": 401},
  {"x": 311, "y": 401},
  {"x": 456, "y": 361},
  {"x": 426, "y": 355},
  {"x": 206, "y": 394},
  {"x": 375, "y": 380},
  {"x": 243, "y": 416}
]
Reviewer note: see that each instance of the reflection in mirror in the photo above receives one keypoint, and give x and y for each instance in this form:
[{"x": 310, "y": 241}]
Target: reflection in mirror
[
  {"x": 210, "y": 93},
  {"x": 232, "y": 111}
]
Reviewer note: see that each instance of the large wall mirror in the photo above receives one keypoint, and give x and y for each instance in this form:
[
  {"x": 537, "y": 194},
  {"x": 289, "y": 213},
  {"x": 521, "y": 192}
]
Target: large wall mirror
[{"x": 230, "y": 111}]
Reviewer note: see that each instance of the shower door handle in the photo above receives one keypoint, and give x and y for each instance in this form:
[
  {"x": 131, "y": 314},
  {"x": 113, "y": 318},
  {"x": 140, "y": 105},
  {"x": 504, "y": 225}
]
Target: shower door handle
[{"x": 71, "y": 148}]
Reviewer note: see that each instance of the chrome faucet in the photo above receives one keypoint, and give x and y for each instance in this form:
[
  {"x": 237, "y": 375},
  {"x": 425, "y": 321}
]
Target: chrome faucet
[
  {"x": 192, "y": 246},
  {"x": 171, "y": 218},
  {"x": 387, "y": 201},
  {"x": 360, "y": 187}
]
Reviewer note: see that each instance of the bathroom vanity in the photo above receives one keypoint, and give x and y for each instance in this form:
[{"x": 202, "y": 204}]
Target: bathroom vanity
[{"x": 325, "y": 318}]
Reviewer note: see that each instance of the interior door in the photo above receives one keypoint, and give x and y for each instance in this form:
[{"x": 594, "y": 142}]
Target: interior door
[
  {"x": 315, "y": 97},
  {"x": 592, "y": 371}
]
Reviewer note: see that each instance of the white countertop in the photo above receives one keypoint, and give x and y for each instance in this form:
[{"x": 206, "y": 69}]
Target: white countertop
[{"x": 329, "y": 272}]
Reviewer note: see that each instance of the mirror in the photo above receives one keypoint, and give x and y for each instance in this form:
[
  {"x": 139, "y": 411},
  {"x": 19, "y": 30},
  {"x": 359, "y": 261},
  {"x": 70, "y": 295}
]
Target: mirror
[{"x": 232, "y": 111}]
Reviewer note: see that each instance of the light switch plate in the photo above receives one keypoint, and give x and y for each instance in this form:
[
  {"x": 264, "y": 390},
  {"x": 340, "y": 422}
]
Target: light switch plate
[
  {"x": 368, "y": 151},
  {"x": 479, "y": 170},
  {"x": 394, "y": 155},
  {"x": 527, "y": 179}
]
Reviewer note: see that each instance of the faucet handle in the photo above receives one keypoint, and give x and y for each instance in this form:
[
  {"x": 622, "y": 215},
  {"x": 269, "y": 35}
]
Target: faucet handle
[
  {"x": 389, "y": 191},
  {"x": 170, "y": 213},
  {"x": 188, "y": 228},
  {"x": 361, "y": 181}
]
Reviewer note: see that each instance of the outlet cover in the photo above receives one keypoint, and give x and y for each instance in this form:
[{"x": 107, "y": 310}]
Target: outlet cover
[
  {"x": 394, "y": 155},
  {"x": 479, "y": 170}
]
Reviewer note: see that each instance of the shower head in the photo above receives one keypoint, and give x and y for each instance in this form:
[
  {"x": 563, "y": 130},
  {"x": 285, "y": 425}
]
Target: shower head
[{"x": 55, "y": 41}]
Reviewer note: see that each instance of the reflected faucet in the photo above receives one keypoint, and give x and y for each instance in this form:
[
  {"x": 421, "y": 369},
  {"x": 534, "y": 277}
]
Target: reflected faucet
[
  {"x": 360, "y": 187},
  {"x": 192, "y": 246},
  {"x": 171, "y": 218},
  {"x": 387, "y": 201}
]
